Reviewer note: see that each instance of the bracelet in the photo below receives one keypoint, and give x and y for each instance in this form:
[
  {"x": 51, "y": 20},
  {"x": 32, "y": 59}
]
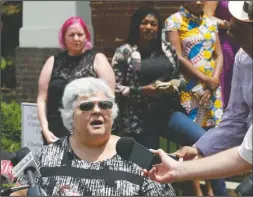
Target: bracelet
[{"x": 135, "y": 89}]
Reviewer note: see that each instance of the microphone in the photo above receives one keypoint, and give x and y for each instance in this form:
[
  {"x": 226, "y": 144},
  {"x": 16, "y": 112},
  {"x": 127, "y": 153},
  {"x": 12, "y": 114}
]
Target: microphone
[
  {"x": 67, "y": 191},
  {"x": 28, "y": 168},
  {"x": 8, "y": 191},
  {"x": 129, "y": 149},
  {"x": 5, "y": 155},
  {"x": 6, "y": 172},
  {"x": 26, "y": 165}
]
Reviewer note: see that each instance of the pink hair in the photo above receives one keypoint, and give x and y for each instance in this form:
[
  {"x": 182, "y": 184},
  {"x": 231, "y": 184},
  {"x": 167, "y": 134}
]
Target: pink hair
[{"x": 73, "y": 20}]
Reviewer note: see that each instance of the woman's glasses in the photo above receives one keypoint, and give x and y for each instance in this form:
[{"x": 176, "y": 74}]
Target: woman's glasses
[{"x": 87, "y": 106}]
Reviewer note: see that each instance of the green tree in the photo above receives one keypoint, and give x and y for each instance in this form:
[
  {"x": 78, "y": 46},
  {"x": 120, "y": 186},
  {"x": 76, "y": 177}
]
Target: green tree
[{"x": 10, "y": 126}]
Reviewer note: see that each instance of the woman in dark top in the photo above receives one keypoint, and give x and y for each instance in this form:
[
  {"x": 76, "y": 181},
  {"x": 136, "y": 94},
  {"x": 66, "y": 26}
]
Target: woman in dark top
[
  {"x": 87, "y": 161},
  {"x": 76, "y": 61},
  {"x": 142, "y": 66}
]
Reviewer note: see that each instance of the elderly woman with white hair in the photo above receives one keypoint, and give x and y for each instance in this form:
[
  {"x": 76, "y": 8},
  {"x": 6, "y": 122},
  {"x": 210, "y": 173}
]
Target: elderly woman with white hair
[{"x": 86, "y": 161}]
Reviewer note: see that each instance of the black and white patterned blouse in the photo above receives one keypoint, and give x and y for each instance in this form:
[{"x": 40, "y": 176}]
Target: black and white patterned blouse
[
  {"x": 66, "y": 68},
  {"x": 134, "y": 70},
  {"x": 59, "y": 166}
]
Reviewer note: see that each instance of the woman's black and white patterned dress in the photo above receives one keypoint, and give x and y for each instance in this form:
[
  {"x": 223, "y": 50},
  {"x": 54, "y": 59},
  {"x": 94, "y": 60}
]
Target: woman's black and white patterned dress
[{"x": 59, "y": 166}]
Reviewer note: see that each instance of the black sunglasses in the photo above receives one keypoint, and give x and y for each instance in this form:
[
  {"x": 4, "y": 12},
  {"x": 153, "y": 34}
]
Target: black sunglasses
[{"x": 87, "y": 106}]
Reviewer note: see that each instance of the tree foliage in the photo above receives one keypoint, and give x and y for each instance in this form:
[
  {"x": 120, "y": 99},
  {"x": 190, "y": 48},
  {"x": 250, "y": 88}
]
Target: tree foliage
[{"x": 10, "y": 126}]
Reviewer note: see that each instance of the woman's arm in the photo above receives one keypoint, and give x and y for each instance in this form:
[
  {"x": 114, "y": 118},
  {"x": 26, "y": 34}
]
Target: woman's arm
[
  {"x": 120, "y": 67},
  {"x": 173, "y": 37},
  {"x": 104, "y": 70},
  {"x": 218, "y": 58},
  {"x": 43, "y": 83},
  {"x": 177, "y": 78}
]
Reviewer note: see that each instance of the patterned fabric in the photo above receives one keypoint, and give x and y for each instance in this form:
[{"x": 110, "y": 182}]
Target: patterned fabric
[
  {"x": 111, "y": 177},
  {"x": 127, "y": 71},
  {"x": 198, "y": 36},
  {"x": 229, "y": 50},
  {"x": 237, "y": 117},
  {"x": 73, "y": 67},
  {"x": 66, "y": 68}
]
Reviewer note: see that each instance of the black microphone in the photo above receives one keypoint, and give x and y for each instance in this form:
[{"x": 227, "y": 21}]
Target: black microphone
[
  {"x": 27, "y": 167},
  {"x": 8, "y": 191},
  {"x": 5, "y": 155},
  {"x": 245, "y": 188},
  {"x": 129, "y": 149}
]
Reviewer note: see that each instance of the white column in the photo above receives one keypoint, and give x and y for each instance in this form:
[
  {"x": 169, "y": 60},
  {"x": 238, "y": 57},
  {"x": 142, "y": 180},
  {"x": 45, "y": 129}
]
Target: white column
[{"x": 42, "y": 21}]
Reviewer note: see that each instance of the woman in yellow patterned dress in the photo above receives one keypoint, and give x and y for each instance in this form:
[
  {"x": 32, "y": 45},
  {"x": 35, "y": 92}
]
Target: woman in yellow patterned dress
[{"x": 195, "y": 38}]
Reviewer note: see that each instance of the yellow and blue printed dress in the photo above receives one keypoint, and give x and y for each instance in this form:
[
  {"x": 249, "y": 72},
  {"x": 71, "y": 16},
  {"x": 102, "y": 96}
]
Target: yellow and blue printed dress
[{"x": 198, "y": 36}]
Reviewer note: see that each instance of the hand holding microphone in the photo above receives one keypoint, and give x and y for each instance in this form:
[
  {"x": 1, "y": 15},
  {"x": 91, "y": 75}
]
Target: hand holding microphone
[
  {"x": 157, "y": 163},
  {"x": 166, "y": 171}
]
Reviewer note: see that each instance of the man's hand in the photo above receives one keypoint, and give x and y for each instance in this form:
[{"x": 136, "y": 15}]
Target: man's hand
[
  {"x": 188, "y": 153},
  {"x": 163, "y": 172}
]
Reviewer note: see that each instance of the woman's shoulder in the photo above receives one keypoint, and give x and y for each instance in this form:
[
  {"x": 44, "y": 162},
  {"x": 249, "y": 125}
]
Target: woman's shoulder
[
  {"x": 114, "y": 140},
  {"x": 210, "y": 21},
  {"x": 176, "y": 17},
  {"x": 126, "y": 165},
  {"x": 55, "y": 147},
  {"x": 124, "y": 48},
  {"x": 60, "y": 53},
  {"x": 173, "y": 22},
  {"x": 122, "y": 53}
]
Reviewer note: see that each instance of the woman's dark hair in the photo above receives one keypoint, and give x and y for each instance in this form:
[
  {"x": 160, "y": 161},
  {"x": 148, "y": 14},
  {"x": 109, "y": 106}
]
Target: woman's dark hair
[{"x": 134, "y": 30}]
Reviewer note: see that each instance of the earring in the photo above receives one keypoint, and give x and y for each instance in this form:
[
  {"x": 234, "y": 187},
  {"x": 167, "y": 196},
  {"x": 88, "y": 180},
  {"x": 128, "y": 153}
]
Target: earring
[{"x": 113, "y": 127}]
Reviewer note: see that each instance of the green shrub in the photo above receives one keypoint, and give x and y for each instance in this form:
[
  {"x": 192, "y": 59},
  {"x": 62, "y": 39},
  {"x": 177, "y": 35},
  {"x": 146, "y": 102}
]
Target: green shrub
[{"x": 10, "y": 126}]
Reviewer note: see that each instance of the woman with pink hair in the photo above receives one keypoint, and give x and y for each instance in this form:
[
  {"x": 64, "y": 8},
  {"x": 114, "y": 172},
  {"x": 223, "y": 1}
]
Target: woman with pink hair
[{"x": 77, "y": 60}]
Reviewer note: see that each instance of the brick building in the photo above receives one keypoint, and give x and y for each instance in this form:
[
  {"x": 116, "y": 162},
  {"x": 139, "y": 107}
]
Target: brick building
[{"x": 108, "y": 22}]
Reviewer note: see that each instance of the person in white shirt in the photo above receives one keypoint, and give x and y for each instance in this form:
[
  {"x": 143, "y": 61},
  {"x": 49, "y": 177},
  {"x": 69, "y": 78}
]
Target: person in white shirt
[{"x": 245, "y": 149}]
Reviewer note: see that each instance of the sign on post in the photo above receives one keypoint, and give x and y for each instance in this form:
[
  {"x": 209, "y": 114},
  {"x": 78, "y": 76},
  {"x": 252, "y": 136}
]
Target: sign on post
[{"x": 31, "y": 130}]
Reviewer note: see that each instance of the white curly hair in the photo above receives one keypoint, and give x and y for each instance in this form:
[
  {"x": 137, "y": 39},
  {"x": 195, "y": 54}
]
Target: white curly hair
[{"x": 83, "y": 87}]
